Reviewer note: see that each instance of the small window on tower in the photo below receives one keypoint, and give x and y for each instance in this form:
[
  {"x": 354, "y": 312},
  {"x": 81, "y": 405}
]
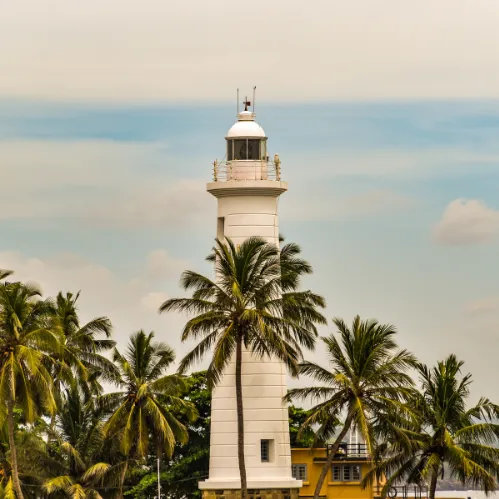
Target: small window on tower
[
  {"x": 221, "y": 228},
  {"x": 230, "y": 150},
  {"x": 265, "y": 450}
]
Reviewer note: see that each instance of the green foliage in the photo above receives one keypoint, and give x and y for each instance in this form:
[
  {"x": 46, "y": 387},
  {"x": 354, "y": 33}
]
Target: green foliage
[
  {"x": 447, "y": 433},
  {"x": 62, "y": 436},
  {"x": 245, "y": 304},
  {"x": 26, "y": 345},
  {"x": 300, "y": 435},
  {"x": 145, "y": 410},
  {"x": 367, "y": 380},
  {"x": 79, "y": 359},
  {"x": 180, "y": 476}
]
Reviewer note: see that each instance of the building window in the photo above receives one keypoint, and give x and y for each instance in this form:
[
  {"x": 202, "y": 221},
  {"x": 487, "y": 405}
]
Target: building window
[
  {"x": 265, "y": 450},
  {"x": 346, "y": 473},
  {"x": 356, "y": 473},
  {"x": 299, "y": 472},
  {"x": 336, "y": 473}
]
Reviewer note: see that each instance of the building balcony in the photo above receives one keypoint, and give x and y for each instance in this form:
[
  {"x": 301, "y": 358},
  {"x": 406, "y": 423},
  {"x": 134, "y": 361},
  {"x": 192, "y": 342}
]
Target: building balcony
[{"x": 346, "y": 452}]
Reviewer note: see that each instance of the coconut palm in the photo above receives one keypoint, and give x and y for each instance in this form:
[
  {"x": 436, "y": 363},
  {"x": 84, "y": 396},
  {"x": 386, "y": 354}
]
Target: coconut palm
[
  {"x": 300, "y": 304},
  {"x": 5, "y": 273},
  {"x": 451, "y": 435},
  {"x": 80, "y": 355},
  {"x": 144, "y": 412},
  {"x": 25, "y": 345},
  {"x": 244, "y": 309},
  {"x": 367, "y": 379},
  {"x": 74, "y": 467}
]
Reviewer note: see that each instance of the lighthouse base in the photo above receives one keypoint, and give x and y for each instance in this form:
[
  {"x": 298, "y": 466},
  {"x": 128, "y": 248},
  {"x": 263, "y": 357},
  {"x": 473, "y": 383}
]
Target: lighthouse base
[{"x": 252, "y": 494}]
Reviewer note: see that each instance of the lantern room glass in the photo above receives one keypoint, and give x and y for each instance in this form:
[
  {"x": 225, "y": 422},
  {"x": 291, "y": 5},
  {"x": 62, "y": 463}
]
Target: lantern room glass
[{"x": 245, "y": 149}]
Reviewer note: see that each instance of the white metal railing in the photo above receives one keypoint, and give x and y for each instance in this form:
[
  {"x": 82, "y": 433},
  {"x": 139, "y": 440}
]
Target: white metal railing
[{"x": 247, "y": 170}]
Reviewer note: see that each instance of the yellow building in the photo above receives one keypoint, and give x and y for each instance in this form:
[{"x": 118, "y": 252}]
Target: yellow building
[{"x": 343, "y": 479}]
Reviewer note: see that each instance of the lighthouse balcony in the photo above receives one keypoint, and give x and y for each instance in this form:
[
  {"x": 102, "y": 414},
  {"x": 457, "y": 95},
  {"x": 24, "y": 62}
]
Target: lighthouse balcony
[{"x": 264, "y": 169}]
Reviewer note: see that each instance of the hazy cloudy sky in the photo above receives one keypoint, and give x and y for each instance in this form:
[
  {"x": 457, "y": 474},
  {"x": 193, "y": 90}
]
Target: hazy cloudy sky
[{"x": 385, "y": 114}]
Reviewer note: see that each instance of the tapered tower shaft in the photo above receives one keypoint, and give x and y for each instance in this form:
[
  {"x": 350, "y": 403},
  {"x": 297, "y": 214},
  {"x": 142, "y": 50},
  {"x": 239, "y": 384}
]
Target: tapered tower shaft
[{"x": 247, "y": 187}]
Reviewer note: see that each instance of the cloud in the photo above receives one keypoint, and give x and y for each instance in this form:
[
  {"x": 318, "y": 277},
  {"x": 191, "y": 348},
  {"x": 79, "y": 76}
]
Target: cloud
[
  {"x": 397, "y": 162},
  {"x": 101, "y": 183},
  {"x": 156, "y": 50},
  {"x": 153, "y": 300},
  {"x": 467, "y": 222},
  {"x": 487, "y": 305},
  {"x": 322, "y": 206},
  {"x": 130, "y": 304},
  {"x": 161, "y": 265},
  {"x": 153, "y": 205}
]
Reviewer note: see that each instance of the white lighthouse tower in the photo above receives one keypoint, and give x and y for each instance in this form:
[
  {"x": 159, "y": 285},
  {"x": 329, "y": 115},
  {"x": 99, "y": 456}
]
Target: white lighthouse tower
[{"x": 247, "y": 186}]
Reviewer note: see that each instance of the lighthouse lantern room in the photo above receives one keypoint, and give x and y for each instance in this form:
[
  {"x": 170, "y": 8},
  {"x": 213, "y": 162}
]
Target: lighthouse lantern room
[{"x": 247, "y": 186}]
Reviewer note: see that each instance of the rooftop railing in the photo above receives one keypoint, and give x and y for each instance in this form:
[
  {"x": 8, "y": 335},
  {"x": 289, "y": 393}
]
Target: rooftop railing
[
  {"x": 346, "y": 451},
  {"x": 264, "y": 169}
]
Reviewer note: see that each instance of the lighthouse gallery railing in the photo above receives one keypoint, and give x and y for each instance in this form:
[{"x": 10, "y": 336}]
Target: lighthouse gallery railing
[{"x": 246, "y": 170}]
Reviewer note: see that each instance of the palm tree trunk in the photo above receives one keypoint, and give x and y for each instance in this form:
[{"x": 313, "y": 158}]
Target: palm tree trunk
[
  {"x": 13, "y": 450},
  {"x": 332, "y": 453},
  {"x": 240, "y": 418},
  {"x": 122, "y": 479},
  {"x": 433, "y": 484}
]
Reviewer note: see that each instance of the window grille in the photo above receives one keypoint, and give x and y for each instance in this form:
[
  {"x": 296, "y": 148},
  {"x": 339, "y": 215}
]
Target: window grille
[
  {"x": 299, "y": 472},
  {"x": 347, "y": 473},
  {"x": 265, "y": 450}
]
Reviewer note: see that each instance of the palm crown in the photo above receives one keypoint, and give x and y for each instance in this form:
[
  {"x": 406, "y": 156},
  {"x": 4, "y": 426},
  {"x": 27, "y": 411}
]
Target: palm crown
[
  {"x": 448, "y": 434},
  {"x": 75, "y": 464},
  {"x": 146, "y": 407},
  {"x": 245, "y": 303},
  {"x": 367, "y": 379},
  {"x": 80, "y": 352},
  {"x": 25, "y": 342}
]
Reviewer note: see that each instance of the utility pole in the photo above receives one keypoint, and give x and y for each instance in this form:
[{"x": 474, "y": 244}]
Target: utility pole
[{"x": 159, "y": 483}]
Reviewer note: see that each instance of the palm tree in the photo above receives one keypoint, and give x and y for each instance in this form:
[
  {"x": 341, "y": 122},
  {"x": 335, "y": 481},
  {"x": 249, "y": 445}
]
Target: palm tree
[
  {"x": 368, "y": 378},
  {"x": 449, "y": 434},
  {"x": 144, "y": 412},
  {"x": 25, "y": 342},
  {"x": 244, "y": 308},
  {"x": 74, "y": 465},
  {"x": 5, "y": 273},
  {"x": 80, "y": 354},
  {"x": 299, "y": 304}
]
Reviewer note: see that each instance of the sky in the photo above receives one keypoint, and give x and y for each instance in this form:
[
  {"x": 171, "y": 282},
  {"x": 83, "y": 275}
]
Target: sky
[{"x": 385, "y": 115}]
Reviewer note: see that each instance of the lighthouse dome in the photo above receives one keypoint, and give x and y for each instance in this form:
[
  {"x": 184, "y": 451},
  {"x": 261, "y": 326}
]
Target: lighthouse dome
[{"x": 246, "y": 126}]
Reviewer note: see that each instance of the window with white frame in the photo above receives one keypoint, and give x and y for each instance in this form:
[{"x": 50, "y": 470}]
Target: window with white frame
[
  {"x": 346, "y": 473},
  {"x": 299, "y": 472}
]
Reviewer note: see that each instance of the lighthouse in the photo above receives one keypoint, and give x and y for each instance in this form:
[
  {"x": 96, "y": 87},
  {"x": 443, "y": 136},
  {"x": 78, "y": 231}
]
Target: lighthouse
[{"x": 247, "y": 186}]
